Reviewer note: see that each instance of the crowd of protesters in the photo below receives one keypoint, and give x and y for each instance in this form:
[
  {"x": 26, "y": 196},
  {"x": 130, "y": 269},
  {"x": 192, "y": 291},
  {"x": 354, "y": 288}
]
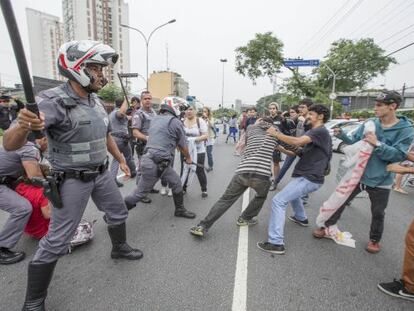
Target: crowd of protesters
[{"x": 154, "y": 137}]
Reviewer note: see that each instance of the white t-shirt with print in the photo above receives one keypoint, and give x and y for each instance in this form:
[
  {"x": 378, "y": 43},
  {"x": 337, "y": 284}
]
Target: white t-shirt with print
[{"x": 193, "y": 131}]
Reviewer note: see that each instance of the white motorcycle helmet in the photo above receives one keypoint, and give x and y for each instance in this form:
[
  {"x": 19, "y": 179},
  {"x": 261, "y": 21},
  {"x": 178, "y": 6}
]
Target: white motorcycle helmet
[
  {"x": 74, "y": 55},
  {"x": 173, "y": 104}
]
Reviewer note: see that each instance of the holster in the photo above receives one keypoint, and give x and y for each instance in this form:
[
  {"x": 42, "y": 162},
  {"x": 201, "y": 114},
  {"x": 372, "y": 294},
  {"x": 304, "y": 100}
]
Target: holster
[
  {"x": 140, "y": 147},
  {"x": 51, "y": 187},
  {"x": 162, "y": 166}
]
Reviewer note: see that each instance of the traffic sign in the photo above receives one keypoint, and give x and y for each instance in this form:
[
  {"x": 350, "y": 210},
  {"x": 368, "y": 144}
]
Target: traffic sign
[
  {"x": 332, "y": 96},
  {"x": 301, "y": 62},
  {"x": 128, "y": 75}
]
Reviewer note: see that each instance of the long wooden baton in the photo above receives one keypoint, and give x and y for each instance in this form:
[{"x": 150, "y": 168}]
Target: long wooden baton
[{"x": 16, "y": 41}]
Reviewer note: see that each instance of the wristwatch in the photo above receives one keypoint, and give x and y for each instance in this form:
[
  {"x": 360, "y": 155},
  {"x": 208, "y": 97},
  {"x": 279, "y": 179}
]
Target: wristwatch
[{"x": 378, "y": 144}]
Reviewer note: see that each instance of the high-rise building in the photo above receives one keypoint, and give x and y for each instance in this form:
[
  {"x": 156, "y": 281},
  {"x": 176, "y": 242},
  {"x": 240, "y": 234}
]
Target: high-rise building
[
  {"x": 100, "y": 20},
  {"x": 167, "y": 83},
  {"x": 45, "y": 38}
]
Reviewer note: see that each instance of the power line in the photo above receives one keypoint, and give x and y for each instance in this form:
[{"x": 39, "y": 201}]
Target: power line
[
  {"x": 400, "y": 49},
  {"x": 324, "y": 25},
  {"x": 331, "y": 30},
  {"x": 395, "y": 41},
  {"x": 384, "y": 22},
  {"x": 394, "y": 34},
  {"x": 361, "y": 26}
]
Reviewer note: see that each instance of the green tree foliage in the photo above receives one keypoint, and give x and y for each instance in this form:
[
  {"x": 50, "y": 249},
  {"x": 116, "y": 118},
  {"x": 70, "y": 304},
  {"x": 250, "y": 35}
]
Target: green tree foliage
[
  {"x": 262, "y": 56},
  {"x": 111, "y": 92},
  {"x": 355, "y": 63},
  {"x": 223, "y": 112}
]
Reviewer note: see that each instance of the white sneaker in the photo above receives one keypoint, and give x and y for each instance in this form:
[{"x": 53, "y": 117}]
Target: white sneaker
[
  {"x": 163, "y": 191},
  {"x": 170, "y": 194}
]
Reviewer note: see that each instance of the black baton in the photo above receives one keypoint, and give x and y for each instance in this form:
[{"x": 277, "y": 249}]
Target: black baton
[{"x": 16, "y": 41}]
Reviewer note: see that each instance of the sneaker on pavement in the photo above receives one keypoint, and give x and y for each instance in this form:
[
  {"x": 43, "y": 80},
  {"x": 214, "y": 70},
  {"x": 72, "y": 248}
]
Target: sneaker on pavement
[
  {"x": 198, "y": 231},
  {"x": 246, "y": 222},
  {"x": 271, "y": 248},
  {"x": 396, "y": 289},
  {"x": 170, "y": 194},
  {"x": 303, "y": 223},
  {"x": 163, "y": 191},
  {"x": 204, "y": 194},
  {"x": 373, "y": 247}
]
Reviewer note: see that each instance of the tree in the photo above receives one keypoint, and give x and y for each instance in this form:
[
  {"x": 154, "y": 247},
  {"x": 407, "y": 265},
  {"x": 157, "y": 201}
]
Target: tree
[
  {"x": 110, "y": 93},
  {"x": 262, "y": 56},
  {"x": 223, "y": 112},
  {"x": 355, "y": 63}
]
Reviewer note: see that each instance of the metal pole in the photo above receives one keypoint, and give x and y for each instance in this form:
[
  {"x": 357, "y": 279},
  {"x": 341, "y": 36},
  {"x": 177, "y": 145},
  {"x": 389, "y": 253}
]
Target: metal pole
[
  {"x": 333, "y": 88},
  {"x": 147, "y": 43},
  {"x": 223, "y": 60}
]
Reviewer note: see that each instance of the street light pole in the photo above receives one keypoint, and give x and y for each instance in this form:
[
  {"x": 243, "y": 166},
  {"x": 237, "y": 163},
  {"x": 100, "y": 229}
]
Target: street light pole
[
  {"x": 223, "y": 60},
  {"x": 333, "y": 95},
  {"x": 147, "y": 40}
]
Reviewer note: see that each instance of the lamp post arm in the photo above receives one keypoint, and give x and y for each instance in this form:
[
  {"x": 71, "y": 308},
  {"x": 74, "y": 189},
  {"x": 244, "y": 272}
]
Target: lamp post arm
[
  {"x": 139, "y": 31},
  {"x": 152, "y": 32}
]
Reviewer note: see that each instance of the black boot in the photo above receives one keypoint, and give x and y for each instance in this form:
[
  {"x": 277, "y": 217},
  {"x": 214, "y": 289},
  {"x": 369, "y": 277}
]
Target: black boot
[
  {"x": 8, "y": 257},
  {"x": 118, "y": 183},
  {"x": 120, "y": 248},
  {"x": 180, "y": 210},
  {"x": 129, "y": 206},
  {"x": 38, "y": 279}
]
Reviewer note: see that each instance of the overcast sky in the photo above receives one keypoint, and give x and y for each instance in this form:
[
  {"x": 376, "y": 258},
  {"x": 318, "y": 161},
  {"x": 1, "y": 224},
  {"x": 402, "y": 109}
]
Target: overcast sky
[{"x": 206, "y": 31}]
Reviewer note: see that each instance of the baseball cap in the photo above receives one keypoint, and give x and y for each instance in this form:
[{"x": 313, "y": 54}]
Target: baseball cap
[{"x": 389, "y": 97}]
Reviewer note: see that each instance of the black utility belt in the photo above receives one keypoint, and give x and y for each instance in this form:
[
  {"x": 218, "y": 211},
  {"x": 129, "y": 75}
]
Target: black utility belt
[
  {"x": 121, "y": 135},
  {"x": 84, "y": 175},
  {"x": 8, "y": 181}
]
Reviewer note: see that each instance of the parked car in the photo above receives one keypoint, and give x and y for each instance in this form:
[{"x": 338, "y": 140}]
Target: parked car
[
  {"x": 339, "y": 123},
  {"x": 349, "y": 129}
]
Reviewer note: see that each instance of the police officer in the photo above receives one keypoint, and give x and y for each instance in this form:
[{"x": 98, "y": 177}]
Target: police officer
[
  {"x": 8, "y": 110},
  {"x": 141, "y": 121},
  {"x": 164, "y": 135},
  {"x": 78, "y": 133},
  {"x": 118, "y": 120},
  {"x": 13, "y": 165}
]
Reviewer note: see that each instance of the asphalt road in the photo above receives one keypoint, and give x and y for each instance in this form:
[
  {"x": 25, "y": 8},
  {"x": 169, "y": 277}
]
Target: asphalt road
[{"x": 181, "y": 272}]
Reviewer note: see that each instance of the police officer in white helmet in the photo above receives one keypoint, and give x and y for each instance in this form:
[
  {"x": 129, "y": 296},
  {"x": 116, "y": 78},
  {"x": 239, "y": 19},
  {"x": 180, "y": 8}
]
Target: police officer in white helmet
[{"x": 78, "y": 134}]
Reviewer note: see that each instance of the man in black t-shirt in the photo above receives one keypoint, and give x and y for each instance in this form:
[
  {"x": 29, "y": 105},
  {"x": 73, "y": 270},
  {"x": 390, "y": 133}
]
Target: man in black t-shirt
[
  {"x": 277, "y": 123},
  {"x": 308, "y": 176}
]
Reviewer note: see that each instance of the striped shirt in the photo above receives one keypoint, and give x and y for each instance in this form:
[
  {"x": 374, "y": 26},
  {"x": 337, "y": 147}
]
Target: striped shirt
[{"x": 257, "y": 157}]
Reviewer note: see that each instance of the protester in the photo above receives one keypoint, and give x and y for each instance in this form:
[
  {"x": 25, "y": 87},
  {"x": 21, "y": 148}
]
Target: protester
[
  {"x": 273, "y": 109},
  {"x": 232, "y": 128},
  {"x": 251, "y": 116},
  {"x": 403, "y": 288},
  {"x": 308, "y": 176},
  {"x": 212, "y": 135},
  {"x": 391, "y": 140},
  {"x": 13, "y": 165},
  {"x": 197, "y": 129},
  {"x": 253, "y": 171},
  {"x": 242, "y": 122}
]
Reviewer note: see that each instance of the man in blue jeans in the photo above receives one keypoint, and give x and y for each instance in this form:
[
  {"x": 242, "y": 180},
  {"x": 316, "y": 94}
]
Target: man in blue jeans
[{"x": 308, "y": 176}]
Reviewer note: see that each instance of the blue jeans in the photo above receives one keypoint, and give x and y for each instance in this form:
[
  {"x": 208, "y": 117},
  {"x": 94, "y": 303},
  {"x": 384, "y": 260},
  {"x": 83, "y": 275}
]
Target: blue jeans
[
  {"x": 286, "y": 165},
  {"x": 294, "y": 190},
  {"x": 209, "y": 151}
]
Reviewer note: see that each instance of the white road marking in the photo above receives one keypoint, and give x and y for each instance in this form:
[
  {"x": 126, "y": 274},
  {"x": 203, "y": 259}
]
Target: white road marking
[{"x": 240, "y": 279}]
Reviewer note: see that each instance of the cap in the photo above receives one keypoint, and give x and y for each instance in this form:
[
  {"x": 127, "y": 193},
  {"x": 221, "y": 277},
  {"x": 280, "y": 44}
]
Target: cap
[{"x": 389, "y": 97}]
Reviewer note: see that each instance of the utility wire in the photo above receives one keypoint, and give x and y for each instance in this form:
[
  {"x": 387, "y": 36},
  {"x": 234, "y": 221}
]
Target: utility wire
[
  {"x": 394, "y": 34},
  {"x": 342, "y": 19},
  {"x": 400, "y": 49},
  {"x": 384, "y": 22},
  {"x": 395, "y": 41},
  {"x": 324, "y": 25},
  {"x": 366, "y": 22}
]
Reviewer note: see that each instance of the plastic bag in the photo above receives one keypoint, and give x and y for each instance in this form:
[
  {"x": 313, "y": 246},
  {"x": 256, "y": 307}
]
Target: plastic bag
[{"x": 84, "y": 234}]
